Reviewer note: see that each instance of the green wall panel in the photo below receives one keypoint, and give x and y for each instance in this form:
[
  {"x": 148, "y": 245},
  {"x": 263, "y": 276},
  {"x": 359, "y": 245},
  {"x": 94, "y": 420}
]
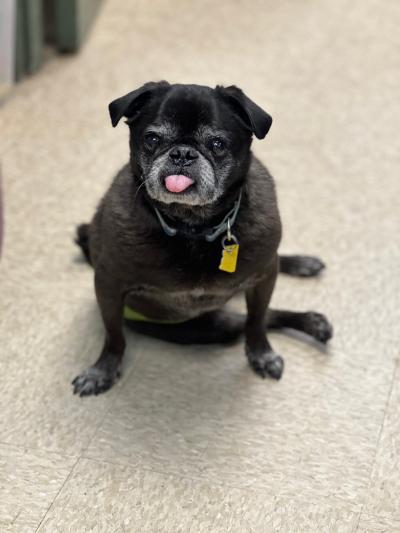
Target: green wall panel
[
  {"x": 73, "y": 21},
  {"x": 29, "y": 37}
]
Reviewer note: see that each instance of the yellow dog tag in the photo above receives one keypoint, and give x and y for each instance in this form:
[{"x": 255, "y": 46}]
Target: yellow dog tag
[{"x": 229, "y": 258}]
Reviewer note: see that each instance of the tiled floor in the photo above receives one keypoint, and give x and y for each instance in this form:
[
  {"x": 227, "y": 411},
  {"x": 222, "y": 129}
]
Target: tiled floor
[{"x": 190, "y": 440}]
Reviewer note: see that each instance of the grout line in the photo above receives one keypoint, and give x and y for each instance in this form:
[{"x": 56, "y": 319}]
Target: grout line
[
  {"x": 58, "y": 493},
  {"x": 172, "y": 474},
  {"x": 219, "y": 484},
  {"x": 395, "y": 371},
  {"x": 176, "y": 475},
  {"x": 212, "y": 483}
]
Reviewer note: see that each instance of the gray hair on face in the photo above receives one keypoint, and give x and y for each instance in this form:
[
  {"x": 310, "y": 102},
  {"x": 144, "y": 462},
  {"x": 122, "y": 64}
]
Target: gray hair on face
[{"x": 208, "y": 188}]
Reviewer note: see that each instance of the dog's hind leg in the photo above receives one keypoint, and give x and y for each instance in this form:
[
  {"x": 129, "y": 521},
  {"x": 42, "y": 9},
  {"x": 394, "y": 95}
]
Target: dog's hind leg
[
  {"x": 314, "y": 324},
  {"x": 221, "y": 327},
  {"x": 304, "y": 266}
]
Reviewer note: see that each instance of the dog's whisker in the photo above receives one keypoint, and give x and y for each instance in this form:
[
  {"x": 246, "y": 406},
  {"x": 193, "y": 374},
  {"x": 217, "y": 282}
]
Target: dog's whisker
[{"x": 138, "y": 189}]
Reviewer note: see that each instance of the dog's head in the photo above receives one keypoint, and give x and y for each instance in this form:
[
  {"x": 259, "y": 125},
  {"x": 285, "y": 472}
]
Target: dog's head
[{"x": 189, "y": 144}]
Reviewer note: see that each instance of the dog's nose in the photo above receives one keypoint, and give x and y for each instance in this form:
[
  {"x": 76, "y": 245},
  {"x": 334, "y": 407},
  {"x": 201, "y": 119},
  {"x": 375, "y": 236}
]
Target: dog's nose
[{"x": 183, "y": 155}]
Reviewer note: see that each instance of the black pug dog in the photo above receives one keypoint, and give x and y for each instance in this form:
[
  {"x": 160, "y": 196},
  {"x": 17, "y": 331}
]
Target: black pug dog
[{"x": 189, "y": 223}]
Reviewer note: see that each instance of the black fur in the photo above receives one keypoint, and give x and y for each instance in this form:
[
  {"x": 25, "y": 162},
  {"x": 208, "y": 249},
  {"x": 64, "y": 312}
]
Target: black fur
[{"x": 177, "y": 278}]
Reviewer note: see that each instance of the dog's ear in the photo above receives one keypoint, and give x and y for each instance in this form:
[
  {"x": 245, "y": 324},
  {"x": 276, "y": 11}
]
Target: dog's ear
[
  {"x": 251, "y": 114},
  {"x": 130, "y": 104}
]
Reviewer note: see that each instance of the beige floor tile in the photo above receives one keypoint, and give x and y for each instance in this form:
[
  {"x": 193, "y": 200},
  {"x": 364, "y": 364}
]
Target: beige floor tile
[
  {"x": 170, "y": 404},
  {"x": 378, "y": 524},
  {"x": 45, "y": 347},
  {"x": 358, "y": 293},
  {"x": 303, "y": 448},
  {"x": 384, "y": 492},
  {"x": 106, "y": 497},
  {"x": 367, "y": 141},
  {"x": 208, "y": 415},
  {"x": 354, "y": 233},
  {"x": 29, "y": 482},
  {"x": 323, "y": 449}
]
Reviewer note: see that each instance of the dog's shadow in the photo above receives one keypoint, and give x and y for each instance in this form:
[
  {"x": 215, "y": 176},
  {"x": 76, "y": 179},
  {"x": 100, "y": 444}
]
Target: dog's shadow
[
  {"x": 171, "y": 395},
  {"x": 304, "y": 339}
]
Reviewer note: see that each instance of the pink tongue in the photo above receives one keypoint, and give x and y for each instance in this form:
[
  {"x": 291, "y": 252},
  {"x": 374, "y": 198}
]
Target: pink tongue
[{"x": 177, "y": 183}]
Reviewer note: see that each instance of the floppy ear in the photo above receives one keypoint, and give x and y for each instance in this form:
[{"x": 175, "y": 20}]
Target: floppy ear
[
  {"x": 130, "y": 104},
  {"x": 251, "y": 114}
]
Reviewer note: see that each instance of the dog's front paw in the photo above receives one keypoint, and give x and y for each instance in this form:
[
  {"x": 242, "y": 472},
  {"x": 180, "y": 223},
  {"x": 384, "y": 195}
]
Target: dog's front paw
[
  {"x": 266, "y": 363},
  {"x": 95, "y": 380},
  {"x": 317, "y": 325}
]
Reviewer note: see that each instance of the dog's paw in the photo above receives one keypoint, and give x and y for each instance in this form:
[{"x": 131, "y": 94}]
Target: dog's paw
[
  {"x": 308, "y": 266},
  {"x": 94, "y": 381},
  {"x": 304, "y": 266},
  {"x": 266, "y": 364},
  {"x": 316, "y": 325}
]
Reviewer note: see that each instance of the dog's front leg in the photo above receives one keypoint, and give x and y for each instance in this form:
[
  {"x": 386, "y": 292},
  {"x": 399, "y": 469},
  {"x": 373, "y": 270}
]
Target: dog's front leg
[
  {"x": 258, "y": 350},
  {"x": 103, "y": 374}
]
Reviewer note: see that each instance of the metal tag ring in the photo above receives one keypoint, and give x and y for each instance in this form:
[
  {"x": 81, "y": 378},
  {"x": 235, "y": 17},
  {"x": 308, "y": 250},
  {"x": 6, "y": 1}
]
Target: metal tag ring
[{"x": 225, "y": 240}]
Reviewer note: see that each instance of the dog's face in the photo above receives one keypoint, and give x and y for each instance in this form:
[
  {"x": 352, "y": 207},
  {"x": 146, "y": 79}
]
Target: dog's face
[{"x": 189, "y": 144}]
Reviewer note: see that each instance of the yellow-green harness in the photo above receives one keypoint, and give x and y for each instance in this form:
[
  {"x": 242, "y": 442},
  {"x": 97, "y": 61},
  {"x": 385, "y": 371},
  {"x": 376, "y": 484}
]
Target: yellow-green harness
[{"x": 131, "y": 314}]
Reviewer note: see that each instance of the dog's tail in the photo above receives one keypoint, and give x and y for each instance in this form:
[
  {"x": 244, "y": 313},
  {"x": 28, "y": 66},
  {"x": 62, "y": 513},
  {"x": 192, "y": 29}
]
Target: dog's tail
[{"x": 82, "y": 240}]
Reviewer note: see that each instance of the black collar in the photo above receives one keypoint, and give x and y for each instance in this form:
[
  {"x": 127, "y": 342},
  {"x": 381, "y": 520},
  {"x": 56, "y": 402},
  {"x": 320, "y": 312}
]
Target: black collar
[{"x": 209, "y": 234}]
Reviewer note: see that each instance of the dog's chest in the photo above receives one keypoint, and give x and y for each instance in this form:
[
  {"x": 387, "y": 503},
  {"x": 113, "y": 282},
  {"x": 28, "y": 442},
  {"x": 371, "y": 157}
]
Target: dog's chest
[
  {"x": 186, "y": 280},
  {"x": 197, "y": 299},
  {"x": 182, "y": 302},
  {"x": 188, "y": 302}
]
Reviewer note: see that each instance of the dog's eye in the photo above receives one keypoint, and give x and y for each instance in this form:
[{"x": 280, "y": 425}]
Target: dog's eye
[
  {"x": 151, "y": 140},
  {"x": 217, "y": 146}
]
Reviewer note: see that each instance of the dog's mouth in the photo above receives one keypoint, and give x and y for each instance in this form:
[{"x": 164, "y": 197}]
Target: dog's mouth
[
  {"x": 177, "y": 183},
  {"x": 188, "y": 186}
]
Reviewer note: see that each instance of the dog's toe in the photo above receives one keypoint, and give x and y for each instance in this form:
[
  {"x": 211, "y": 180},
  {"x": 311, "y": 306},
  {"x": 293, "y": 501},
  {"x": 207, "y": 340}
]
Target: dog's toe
[
  {"x": 275, "y": 367},
  {"x": 94, "y": 381},
  {"x": 318, "y": 326},
  {"x": 309, "y": 266},
  {"x": 267, "y": 364}
]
